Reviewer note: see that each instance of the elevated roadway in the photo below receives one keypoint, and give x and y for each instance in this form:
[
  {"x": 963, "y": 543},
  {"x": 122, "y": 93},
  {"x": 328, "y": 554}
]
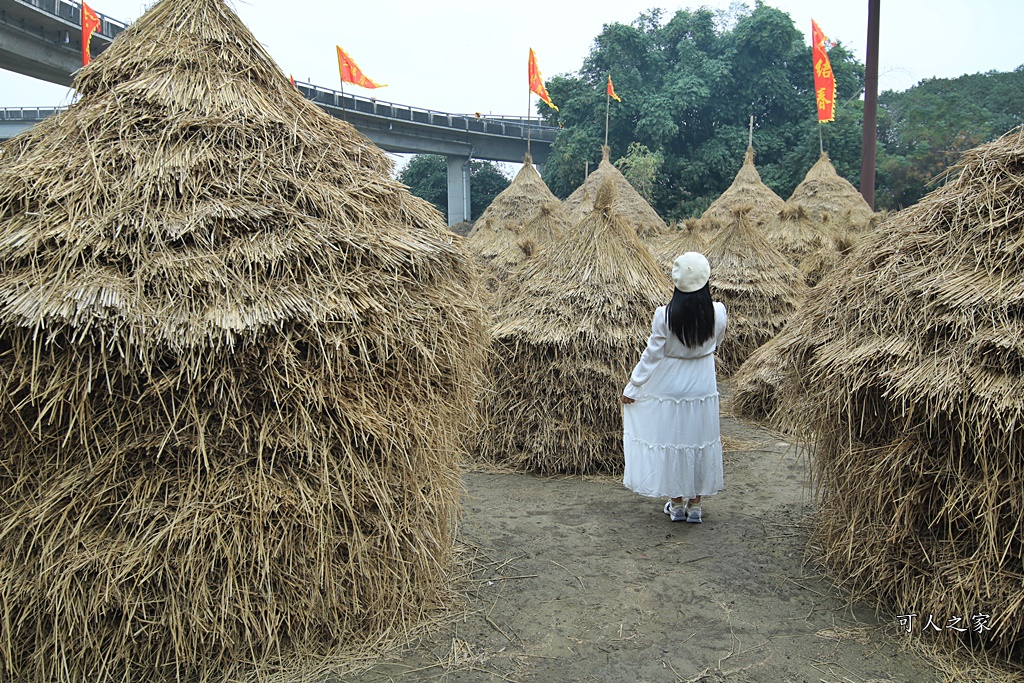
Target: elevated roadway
[{"x": 42, "y": 39}]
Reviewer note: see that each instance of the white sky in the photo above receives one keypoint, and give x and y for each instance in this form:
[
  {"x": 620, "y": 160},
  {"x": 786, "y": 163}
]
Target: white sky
[{"x": 464, "y": 56}]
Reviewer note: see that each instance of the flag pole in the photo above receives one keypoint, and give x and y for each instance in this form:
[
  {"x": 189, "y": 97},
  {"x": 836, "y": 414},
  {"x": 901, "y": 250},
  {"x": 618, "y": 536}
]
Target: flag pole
[
  {"x": 750, "y": 137},
  {"x": 342, "y": 82},
  {"x": 821, "y": 143},
  {"x": 607, "y": 106},
  {"x": 529, "y": 104}
]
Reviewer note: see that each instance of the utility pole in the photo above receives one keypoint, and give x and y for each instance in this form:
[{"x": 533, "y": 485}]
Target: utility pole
[{"x": 870, "y": 134}]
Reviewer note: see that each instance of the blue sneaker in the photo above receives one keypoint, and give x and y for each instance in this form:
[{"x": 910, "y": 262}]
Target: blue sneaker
[{"x": 677, "y": 513}]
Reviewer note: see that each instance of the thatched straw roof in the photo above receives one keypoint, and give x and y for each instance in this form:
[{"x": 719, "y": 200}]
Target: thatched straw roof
[
  {"x": 913, "y": 372},
  {"x": 829, "y": 198},
  {"x": 235, "y": 361},
  {"x": 500, "y": 237},
  {"x": 746, "y": 190},
  {"x": 564, "y": 344},
  {"x": 689, "y": 236},
  {"x": 629, "y": 205},
  {"x": 498, "y": 227},
  {"x": 542, "y": 231},
  {"x": 813, "y": 247},
  {"x": 759, "y": 287}
]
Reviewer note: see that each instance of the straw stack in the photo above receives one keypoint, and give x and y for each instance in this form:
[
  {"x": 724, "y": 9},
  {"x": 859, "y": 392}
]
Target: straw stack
[
  {"x": 762, "y": 387},
  {"x": 830, "y": 199},
  {"x": 688, "y": 237},
  {"x": 913, "y": 371},
  {"x": 815, "y": 248},
  {"x": 629, "y": 205},
  {"x": 564, "y": 344},
  {"x": 759, "y": 287},
  {"x": 235, "y": 363},
  {"x": 746, "y": 190},
  {"x": 499, "y": 237}
]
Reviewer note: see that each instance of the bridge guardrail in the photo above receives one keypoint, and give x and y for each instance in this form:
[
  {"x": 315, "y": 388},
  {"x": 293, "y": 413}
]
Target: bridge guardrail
[
  {"x": 507, "y": 126},
  {"x": 33, "y": 114},
  {"x": 72, "y": 12}
]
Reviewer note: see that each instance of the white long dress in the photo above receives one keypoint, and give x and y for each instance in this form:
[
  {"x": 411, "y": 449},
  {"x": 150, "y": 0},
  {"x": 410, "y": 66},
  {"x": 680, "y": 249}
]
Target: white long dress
[{"x": 672, "y": 434}]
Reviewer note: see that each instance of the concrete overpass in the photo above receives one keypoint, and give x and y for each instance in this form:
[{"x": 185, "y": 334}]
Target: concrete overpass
[{"x": 42, "y": 39}]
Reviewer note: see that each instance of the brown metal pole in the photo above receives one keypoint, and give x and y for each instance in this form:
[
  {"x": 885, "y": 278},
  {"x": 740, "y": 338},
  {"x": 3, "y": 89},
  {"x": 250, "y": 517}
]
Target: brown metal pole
[{"x": 870, "y": 134}]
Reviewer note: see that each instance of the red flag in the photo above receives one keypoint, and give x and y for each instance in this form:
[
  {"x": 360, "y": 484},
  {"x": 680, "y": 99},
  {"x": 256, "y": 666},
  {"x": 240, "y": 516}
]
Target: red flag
[
  {"x": 351, "y": 73},
  {"x": 292, "y": 79},
  {"x": 824, "y": 79},
  {"x": 90, "y": 22},
  {"x": 536, "y": 82},
  {"x": 611, "y": 90}
]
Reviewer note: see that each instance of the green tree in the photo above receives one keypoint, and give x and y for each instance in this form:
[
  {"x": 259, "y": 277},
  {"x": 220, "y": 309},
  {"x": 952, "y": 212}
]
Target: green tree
[
  {"x": 427, "y": 178},
  {"x": 689, "y": 86},
  {"x": 924, "y": 130},
  {"x": 640, "y": 166}
]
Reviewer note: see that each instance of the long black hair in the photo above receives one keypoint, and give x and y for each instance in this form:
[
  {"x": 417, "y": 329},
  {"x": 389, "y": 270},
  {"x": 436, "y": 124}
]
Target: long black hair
[{"x": 691, "y": 316}]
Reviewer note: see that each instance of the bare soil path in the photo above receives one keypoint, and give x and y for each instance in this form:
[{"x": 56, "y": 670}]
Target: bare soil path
[{"x": 582, "y": 581}]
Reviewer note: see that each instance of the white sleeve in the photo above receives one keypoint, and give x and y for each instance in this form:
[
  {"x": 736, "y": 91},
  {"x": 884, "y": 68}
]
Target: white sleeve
[
  {"x": 721, "y": 321},
  {"x": 652, "y": 355}
]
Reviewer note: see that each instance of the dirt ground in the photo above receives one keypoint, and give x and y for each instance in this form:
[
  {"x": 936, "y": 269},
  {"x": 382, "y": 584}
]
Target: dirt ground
[{"x": 583, "y": 581}]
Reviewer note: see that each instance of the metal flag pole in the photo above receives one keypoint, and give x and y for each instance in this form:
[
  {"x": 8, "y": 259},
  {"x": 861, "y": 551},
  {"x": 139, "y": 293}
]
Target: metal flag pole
[{"x": 750, "y": 137}]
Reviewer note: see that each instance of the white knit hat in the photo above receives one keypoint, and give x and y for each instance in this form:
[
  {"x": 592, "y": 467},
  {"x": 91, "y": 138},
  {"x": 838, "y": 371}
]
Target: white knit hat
[{"x": 690, "y": 271}]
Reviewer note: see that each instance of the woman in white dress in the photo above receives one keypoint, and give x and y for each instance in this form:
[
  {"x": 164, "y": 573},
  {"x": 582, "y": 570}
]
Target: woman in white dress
[{"x": 671, "y": 431}]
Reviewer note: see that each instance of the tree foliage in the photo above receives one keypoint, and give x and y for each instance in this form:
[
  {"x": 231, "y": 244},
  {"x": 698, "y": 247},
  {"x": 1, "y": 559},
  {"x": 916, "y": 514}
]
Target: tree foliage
[
  {"x": 427, "y": 178},
  {"x": 640, "y": 167},
  {"x": 923, "y": 130},
  {"x": 690, "y": 82},
  {"x": 689, "y": 86}
]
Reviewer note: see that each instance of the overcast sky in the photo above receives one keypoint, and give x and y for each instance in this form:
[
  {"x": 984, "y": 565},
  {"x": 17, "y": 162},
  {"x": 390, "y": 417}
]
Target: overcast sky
[{"x": 465, "y": 56}]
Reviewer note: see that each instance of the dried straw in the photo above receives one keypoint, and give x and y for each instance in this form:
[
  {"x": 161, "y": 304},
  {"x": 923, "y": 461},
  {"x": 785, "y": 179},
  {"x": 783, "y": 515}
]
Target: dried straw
[
  {"x": 759, "y": 287},
  {"x": 688, "y": 237},
  {"x": 236, "y": 359},
  {"x": 912, "y": 370},
  {"x": 746, "y": 190},
  {"x": 761, "y": 390},
  {"x": 564, "y": 344},
  {"x": 813, "y": 247},
  {"x": 629, "y": 205},
  {"x": 830, "y": 199},
  {"x": 519, "y": 222}
]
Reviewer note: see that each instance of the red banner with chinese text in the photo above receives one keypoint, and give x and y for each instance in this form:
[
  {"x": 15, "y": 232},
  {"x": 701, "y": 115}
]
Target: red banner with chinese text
[
  {"x": 824, "y": 79},
  {"x": 351, "y": 73},
  {"x": 536, "y": 82},
  {"x": 90, "y": 22}
]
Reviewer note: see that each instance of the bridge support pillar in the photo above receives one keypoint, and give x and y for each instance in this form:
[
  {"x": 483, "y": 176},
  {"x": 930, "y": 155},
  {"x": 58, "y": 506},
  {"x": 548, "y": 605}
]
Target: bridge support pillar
[{"x": 458, "y": 189}]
